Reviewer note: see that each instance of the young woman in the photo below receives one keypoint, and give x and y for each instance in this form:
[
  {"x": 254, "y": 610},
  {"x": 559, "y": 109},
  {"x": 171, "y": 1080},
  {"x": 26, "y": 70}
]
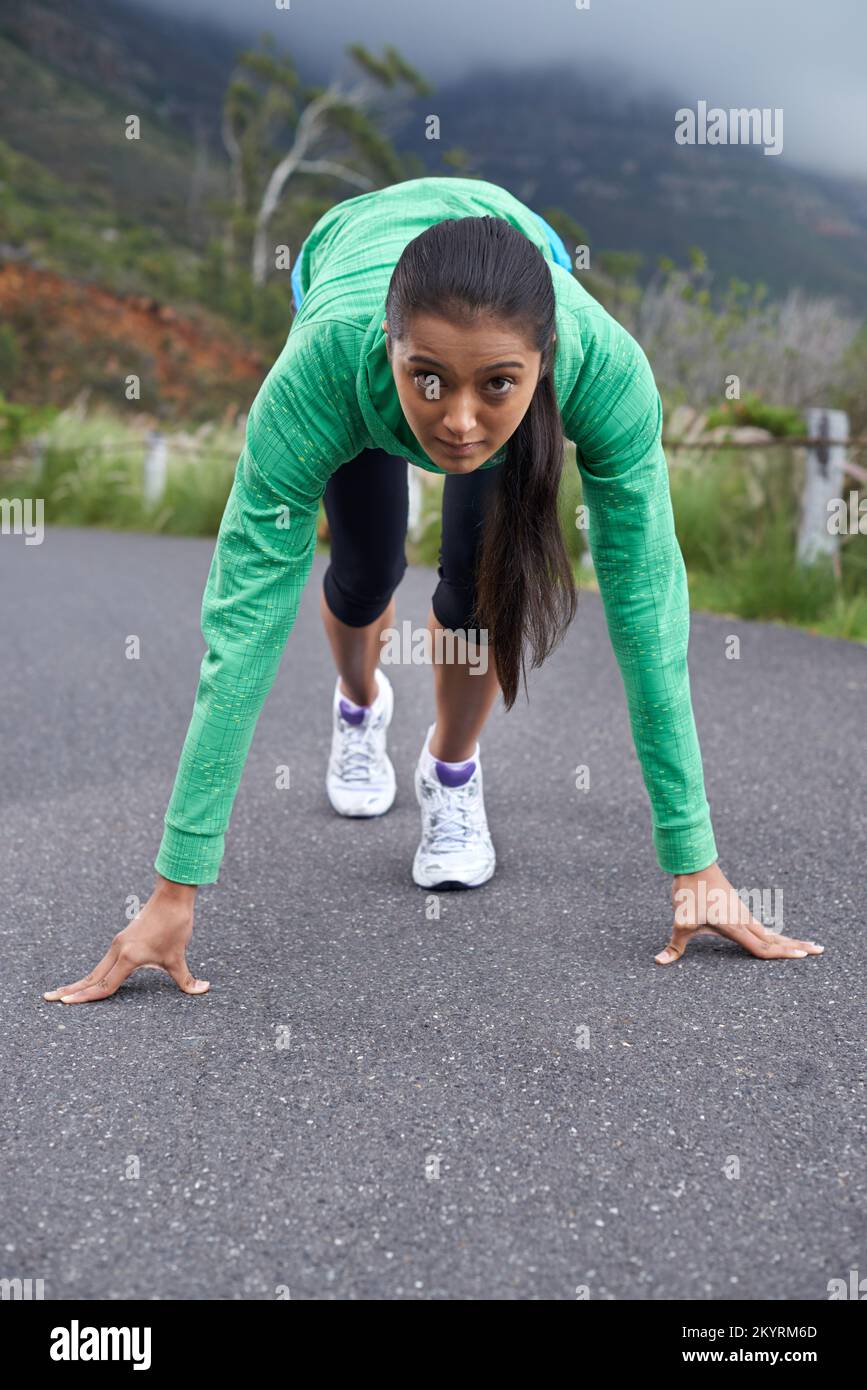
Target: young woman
[{"x": 439, "y": 323}]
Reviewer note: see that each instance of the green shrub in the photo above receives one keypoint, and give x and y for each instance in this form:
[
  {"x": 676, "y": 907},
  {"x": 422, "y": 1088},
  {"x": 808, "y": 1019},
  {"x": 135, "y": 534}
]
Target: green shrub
[
  {"x": 737, "y": 527},
  {"x": 777, "y": 419}
]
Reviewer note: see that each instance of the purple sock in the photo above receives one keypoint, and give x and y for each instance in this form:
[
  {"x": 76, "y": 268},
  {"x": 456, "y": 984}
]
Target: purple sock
[
  {"x": 353, "y": 714},
  {"x": 454, "y": 774}
]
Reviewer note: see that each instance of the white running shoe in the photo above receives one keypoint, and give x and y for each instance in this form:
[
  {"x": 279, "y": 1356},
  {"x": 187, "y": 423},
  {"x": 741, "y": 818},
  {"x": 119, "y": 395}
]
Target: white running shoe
[
  {"x": 455, "y": 849},
  {"x": 360, "y": 780}
]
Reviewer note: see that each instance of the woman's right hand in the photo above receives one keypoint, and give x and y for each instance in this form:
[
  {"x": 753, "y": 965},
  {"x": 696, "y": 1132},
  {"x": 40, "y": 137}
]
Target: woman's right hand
[{"x": 157, "y": 936}]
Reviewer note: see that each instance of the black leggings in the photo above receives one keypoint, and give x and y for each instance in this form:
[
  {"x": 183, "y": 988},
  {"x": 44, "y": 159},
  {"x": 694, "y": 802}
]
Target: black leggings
[{"x": 367, "y": 505}]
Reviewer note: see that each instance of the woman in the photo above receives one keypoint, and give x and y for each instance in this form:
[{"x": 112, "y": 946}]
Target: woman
[{"x": 439, "y": 323}]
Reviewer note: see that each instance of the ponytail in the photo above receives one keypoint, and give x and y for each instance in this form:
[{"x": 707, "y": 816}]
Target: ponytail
[{"x": 525, "y": 589}]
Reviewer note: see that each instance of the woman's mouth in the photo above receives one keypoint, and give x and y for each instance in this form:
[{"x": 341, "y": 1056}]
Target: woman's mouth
[{"x": 460, "y": 449}]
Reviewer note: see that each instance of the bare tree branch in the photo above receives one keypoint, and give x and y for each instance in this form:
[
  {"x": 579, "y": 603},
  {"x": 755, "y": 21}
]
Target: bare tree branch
[{"x": 327, "y": 166}]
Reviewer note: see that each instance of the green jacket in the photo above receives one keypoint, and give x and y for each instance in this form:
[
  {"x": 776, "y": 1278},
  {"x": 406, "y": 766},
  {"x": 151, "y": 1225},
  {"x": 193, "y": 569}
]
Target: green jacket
[{"x": 331, "y": 394}]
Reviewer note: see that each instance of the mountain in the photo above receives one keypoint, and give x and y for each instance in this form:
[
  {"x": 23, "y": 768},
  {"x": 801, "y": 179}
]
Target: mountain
[
  {"x": 572, "y": 140},
  {"x": 563, "y": 137}
]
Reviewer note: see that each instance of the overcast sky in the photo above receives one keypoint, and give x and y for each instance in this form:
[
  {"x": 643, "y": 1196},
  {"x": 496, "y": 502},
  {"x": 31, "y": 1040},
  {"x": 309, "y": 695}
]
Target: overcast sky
[{"x": 806, "y": 56}]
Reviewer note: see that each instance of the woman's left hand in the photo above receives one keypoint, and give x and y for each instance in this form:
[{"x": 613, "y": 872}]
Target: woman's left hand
[{"x": 706, "y": 904}]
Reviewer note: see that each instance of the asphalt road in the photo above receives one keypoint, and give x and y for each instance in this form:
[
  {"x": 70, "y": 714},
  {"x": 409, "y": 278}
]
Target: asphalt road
[{"x": 430, "y": 1127}]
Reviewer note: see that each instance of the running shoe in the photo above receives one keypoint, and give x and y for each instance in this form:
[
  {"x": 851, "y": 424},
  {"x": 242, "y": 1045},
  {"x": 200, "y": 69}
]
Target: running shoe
[
  {"x": 455, "y": 849},
  {"x": 360, "y": 780}
]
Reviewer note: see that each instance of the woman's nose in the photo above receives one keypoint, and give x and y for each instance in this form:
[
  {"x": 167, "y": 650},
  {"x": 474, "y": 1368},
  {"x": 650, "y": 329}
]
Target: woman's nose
[{"x": 460, "y": 417}]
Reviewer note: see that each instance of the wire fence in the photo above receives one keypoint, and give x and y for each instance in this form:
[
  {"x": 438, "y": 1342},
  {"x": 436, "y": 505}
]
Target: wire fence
[{"x": 829, "y": 463}]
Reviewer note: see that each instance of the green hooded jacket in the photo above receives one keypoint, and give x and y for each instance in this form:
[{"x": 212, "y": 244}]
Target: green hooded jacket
[{"x": 329, "y": 395}]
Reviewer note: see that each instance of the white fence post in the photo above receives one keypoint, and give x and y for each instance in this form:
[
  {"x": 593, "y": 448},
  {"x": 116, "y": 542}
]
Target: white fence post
[
  {"x": 155, "y": 466},
  {"x": 823, "y": 482},
  {"x": 38, "y": 457}
]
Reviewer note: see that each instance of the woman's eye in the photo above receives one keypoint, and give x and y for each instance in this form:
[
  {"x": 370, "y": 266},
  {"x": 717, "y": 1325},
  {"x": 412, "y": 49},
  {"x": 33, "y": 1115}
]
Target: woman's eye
[{"x": 431, "y": 384}]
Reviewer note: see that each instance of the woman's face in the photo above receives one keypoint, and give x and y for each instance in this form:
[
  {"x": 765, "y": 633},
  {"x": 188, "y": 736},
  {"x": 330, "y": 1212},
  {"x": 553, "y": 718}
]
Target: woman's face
[{"x": 461, "y": 384}]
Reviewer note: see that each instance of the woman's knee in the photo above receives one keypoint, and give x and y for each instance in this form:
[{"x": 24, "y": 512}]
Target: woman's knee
[
  {"x": 454, "y": 607},
  {"x": 359, "y": 600}
]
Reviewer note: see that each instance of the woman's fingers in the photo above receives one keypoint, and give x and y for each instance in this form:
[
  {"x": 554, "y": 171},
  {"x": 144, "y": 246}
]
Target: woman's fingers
[
  {"x": 95, "y": 974},
  {"x": 184, "y": 978},
  {"x": 115, "y": 967},
  {"x": 104, "y": 984},
  {"x": 677, "y": 945},
  {"x": 752, "y": 936},
  {"x": 767, "y": 935},
  {"x": 760, "y": 941}
]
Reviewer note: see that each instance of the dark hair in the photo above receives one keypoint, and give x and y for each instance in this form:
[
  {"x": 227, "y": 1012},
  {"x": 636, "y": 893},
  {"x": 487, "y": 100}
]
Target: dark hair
[{"x": 525, "y": 588}]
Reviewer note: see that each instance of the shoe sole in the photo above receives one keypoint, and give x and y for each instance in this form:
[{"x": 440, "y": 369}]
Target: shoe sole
[
  {"x": 477, "y": 881},
  {"x": 372, "y": 815}
]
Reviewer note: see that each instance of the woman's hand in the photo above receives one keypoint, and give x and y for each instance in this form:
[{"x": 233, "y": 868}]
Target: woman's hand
[
  {"x": 157, "y": 936},
  {"x": 716, "y": 909}
]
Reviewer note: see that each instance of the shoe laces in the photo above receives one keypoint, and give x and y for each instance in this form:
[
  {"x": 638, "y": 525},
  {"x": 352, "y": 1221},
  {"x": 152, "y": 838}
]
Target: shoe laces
[
  {"x": 357, "y": 749},
  {"x": 451, "y": 817}
]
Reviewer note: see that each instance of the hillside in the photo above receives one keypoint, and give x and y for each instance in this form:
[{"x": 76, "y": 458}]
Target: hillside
[
  {"x": 74, "y": 336},
  {"x": 97, "y": 227},
  {"x": 68, "y": 75}
]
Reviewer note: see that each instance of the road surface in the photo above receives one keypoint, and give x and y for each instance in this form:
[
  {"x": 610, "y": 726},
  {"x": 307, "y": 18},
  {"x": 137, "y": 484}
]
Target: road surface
[{"x": 510, "y": 1102}]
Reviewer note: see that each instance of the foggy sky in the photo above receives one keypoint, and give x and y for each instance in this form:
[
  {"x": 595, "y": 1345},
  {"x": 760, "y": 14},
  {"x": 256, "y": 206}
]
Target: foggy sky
[{"x": 803, "y": 56}]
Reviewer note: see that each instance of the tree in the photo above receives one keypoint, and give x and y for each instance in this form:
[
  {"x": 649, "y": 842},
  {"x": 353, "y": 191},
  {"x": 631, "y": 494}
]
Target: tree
[{"x": 274, "y": 128}]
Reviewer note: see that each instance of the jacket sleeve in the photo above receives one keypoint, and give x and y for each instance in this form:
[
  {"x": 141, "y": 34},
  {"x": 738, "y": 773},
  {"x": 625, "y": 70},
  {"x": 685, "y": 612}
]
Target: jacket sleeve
[
  {"x": 614, "y": 417},
  {"x": 302, "y": 425}
]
